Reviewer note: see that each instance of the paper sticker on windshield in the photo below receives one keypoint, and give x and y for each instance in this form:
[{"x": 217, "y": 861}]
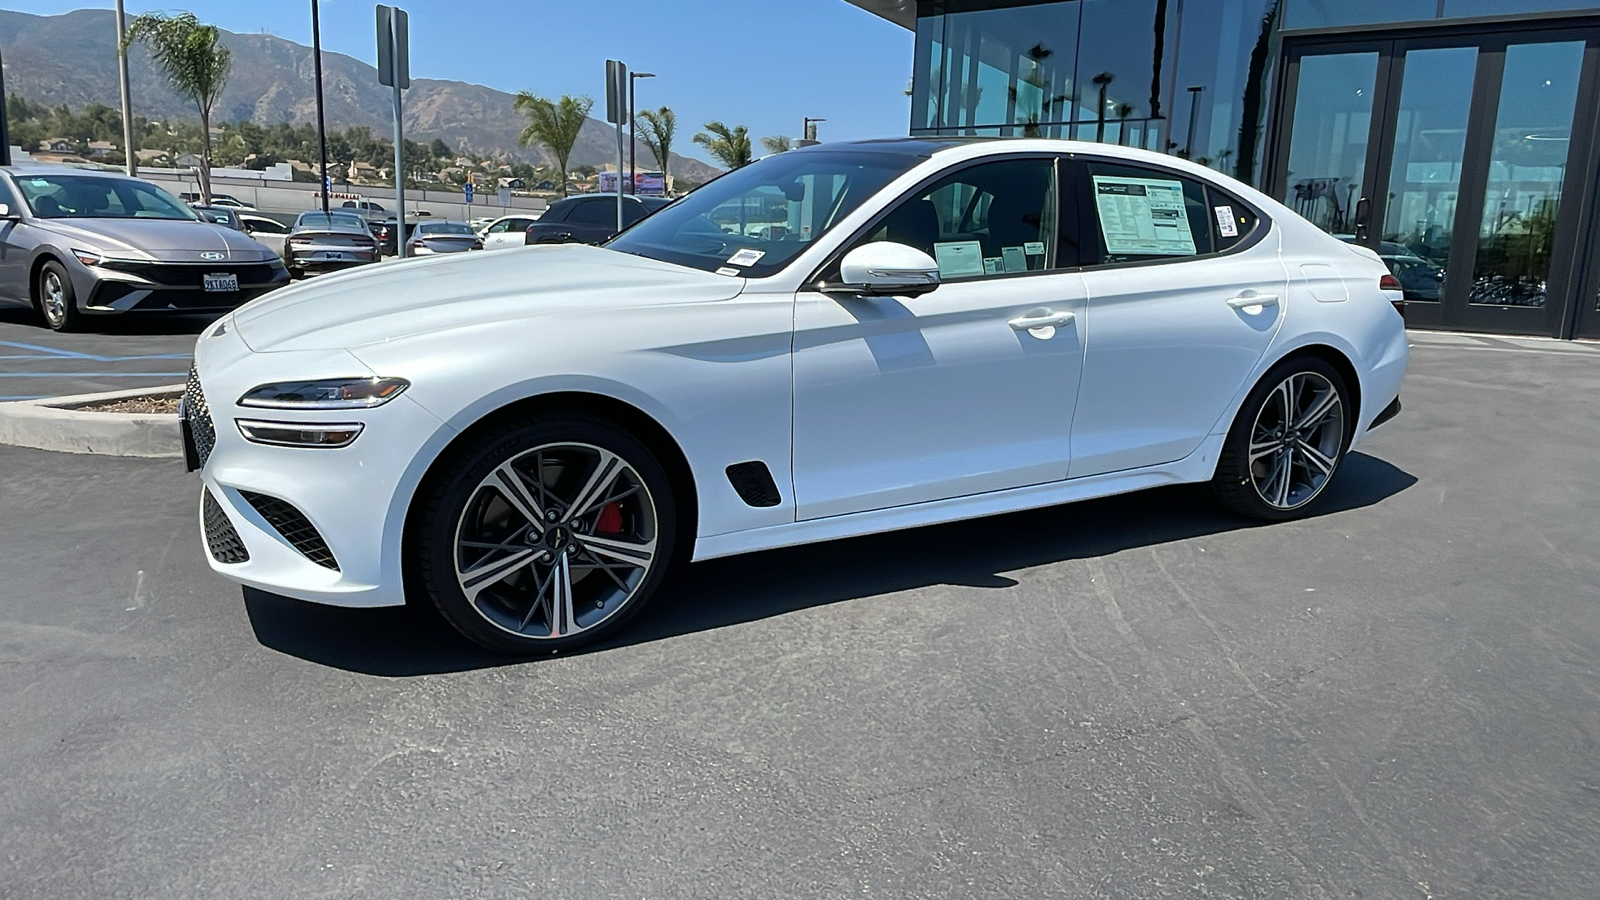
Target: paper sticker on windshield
[
  {"x": 1016, "y": 260},
  {"x": 994, "y": 265},
  {"x": 1143, "y": 216},
  {"x": 746, "y": 257},
  {"x": 1226, "y": 225},
  {"x": 957, "y": 258},
  {"x": 727, "y": 271},
  {"x": 1033, "y": 248}
]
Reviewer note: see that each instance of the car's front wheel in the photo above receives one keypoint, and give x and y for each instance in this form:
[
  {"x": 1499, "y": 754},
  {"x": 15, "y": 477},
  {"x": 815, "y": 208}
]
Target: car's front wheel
[
  {"x": 58, "y": 303},
  {"x": 1287, "y": 441},
  {"x": 546, "y": 533}
]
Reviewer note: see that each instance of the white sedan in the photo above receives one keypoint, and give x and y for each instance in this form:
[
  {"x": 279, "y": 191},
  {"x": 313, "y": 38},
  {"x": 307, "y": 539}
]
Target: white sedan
[
  {"x": 507, "y": 232},
  {"x": 834, "y": 341}
]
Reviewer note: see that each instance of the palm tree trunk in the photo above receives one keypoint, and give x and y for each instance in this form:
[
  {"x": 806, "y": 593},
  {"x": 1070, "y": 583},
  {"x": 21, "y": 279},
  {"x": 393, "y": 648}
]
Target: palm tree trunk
[{"x": 205, "y": 157}]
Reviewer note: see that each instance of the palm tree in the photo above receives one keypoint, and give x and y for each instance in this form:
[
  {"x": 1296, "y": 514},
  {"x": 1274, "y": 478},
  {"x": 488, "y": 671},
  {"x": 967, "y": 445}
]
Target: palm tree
[
  {"x": 554, "y": 124},
  {"x": 658, "y": 127},
  {"x": 731, "y": 146},
  {"x": 196, "y": 66},
  {"x": 1103, "y": 81},
  {"x": 776, "y": 144}
]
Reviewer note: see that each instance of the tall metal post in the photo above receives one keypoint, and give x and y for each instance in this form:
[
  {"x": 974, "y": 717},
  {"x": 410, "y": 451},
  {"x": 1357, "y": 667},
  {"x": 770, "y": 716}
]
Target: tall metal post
[
  {"x": 633, "y": 138},
  {"x": 128, "y": 149},
  {"x": 399, "y": 177},
  {"x": 5, "y": 132},
  {"x": 322, "y": 131}
]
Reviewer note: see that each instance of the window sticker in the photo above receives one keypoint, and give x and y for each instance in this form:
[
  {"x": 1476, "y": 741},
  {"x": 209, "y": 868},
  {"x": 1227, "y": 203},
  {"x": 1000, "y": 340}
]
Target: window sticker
[
  {"x": 746, "y": 257},
  {"x": 1033, "y": 248},
  {"x": 725, "y": 270},
  {"x": 1016, "y": 260},
  {"x": 1143, "y": 216},
  {"x": 1226, "y": 225},
  {"x": 993, "y": 265},
  {"x": 958, "y": 258}
]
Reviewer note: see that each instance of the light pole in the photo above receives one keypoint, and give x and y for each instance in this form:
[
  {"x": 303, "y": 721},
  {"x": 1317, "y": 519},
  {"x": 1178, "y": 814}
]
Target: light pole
[
  {"x": 808, "y": 130},
  {"x": 633, "y": 143},
  {"x": 131, "y": 163},
  {"x": 322, "y": 131}
]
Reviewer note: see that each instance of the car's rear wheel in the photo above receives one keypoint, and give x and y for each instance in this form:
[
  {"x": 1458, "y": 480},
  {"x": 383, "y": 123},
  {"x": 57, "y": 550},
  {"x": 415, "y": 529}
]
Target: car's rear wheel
[
  {"x": 57, "y": 301},
  {"x": 1287, "y": 442},
  {"x": 547, "y": 533}
]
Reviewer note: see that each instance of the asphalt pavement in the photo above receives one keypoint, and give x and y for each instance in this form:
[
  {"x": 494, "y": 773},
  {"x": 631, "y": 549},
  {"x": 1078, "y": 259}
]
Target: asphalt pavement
[
  {"x": 111, "y": 354},
  {"x": 1133, "y": 697}
]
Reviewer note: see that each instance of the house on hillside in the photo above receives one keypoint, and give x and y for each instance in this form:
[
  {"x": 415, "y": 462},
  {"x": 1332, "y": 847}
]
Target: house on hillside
[
  {"x": 101, "y": 148},
  {"x": 362, "y": 171},
  {"x": 58, "y": 145},
  {"x": 187, "y": 161}
]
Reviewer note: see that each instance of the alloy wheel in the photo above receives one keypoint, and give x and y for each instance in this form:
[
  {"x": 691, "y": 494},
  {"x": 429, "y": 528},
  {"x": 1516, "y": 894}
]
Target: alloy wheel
[
  {"x": 54, "y": 298},
  {"x": 556, "y": 541},
  {"x": 1296, "y": 440}
]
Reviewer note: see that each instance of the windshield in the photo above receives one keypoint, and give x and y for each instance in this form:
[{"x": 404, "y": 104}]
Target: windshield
[
  {"x": 331, "y": 220},
  {"x": 96, "y": 197},
  {"x": 444, "y": 228},
  {"x": 754, "y": 220}
]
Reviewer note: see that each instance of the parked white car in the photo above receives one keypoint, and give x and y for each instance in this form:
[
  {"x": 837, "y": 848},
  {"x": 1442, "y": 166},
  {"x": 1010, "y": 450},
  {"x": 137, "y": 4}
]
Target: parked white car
[
  {"x": 945, "y": 329},
  {"x": 507, "y": 231},
  {"x": 266, "y": 230}
]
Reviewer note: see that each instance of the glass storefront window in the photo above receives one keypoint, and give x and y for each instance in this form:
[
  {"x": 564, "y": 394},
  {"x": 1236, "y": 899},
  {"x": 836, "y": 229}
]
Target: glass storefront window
[
  {"x": 1333, "y": 13},
  {"x": 1125, "y": 51},
  {"x": 1227, "y": 49},
  {"x": 1429, "y": 142},
  {"x": 1461, "y": 8},
  {"x": 1328, "y": 150},
  {"x": 1538, "y": 97},
  {"x": 1011, "y": 66}
]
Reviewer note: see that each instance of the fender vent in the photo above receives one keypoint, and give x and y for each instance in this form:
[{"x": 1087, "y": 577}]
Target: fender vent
[
  {"x": 753, "y": 481},
  {"x": 221, "y": 539},
  {"x": 295, "y": 528}
]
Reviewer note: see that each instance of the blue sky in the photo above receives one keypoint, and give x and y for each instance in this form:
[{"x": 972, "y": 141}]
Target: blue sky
[{"x": 760, "y": 63}]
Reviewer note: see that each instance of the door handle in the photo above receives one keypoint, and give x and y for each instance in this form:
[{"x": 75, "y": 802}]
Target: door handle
[
  {"x": 1042, "y": 319},
  {"x": 1250, "y": 298}
]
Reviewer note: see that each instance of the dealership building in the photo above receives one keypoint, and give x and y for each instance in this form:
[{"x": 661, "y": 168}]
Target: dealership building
[{"x": 1458, "y": 138}]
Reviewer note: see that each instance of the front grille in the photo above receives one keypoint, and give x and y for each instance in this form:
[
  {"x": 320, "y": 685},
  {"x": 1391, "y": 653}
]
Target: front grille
[
  {"x": 221, "y": 539},
  {"x": 192, "y": 275},
  {"x": 199, "y": 416},
  {"x": 294, "y": 526}
]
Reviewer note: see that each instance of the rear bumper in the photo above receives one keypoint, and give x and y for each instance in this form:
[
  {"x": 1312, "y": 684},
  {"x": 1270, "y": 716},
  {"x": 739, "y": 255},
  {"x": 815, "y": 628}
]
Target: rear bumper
[{"x": 1389, "y": 412}]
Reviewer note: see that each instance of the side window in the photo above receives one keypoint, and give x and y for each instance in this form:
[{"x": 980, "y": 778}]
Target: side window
[
  {"x": 594, "y": 212},
  {"x": 632, "y": 211},
  {"x": 996, "y": 218},
  {"x": 1231, "y": 220},
  {"x": 1143, "y": 214},
  {"x": 501, "y": 226}
]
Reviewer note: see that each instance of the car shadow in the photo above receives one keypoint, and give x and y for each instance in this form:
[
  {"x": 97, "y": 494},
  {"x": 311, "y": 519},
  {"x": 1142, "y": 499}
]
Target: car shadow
[
  {"x": 415, "y": 640},
  {"x": 126, "y": 323}
]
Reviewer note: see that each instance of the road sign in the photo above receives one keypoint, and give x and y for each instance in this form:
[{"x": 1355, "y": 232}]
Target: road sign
[
  {"x": 505, "y": 197},
  {"x": 616, "y": 91},
  {"x": 394, "y": 55},
  {"x": 467, "y": 189}
]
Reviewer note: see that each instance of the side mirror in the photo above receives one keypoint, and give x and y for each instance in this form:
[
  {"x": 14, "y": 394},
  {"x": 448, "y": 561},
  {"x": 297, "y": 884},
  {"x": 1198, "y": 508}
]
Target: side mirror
[
  {"x": 6, "y": 213},
  {"x": 884, "y": 268}
]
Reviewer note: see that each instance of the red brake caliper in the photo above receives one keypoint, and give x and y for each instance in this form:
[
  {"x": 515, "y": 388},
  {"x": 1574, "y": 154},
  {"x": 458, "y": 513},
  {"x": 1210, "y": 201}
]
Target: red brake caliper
[{"x": 609, "y": 520}]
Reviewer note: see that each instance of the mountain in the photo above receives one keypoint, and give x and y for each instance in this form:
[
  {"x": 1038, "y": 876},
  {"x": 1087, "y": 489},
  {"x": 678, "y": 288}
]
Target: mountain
[{"x": 71, "y": 58}]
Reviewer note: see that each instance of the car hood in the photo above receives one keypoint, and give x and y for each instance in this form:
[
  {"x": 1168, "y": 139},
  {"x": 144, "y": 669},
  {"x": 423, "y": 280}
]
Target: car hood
[
  {"x": 169, "y": 240},
  {"x": 393, "y": 300}
]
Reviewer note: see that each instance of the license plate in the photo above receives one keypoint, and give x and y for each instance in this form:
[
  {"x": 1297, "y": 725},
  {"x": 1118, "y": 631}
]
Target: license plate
[
  {"x": 332, "y": 254},
  {"x": 221, "y": 282}
]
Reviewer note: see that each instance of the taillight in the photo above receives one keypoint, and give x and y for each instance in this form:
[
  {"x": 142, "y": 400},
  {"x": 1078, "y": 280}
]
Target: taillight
[
  {"x": 300, "y": 240},
  {"x": 1389, "y": 283}
]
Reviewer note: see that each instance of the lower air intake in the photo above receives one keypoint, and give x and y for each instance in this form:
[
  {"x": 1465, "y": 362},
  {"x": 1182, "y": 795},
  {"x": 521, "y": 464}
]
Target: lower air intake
[
  {"x": 221, "y": 539},
  {"x": 295, "y": 528}
]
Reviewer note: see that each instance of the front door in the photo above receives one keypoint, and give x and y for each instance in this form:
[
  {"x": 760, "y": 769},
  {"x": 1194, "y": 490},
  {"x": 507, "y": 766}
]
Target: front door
[
  {"x": 901, "y": 400},
  {"x": 1452, "y": 156}
]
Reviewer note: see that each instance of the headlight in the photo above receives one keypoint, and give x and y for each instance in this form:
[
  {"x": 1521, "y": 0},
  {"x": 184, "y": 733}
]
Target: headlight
[
  {"x": 89, "y": 257},
  {"x": 329, "y": 393}
]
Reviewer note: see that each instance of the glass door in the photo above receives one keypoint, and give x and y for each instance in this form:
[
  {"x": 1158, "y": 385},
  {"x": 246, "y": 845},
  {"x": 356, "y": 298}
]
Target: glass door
[{"x": 1449, "y": 156}]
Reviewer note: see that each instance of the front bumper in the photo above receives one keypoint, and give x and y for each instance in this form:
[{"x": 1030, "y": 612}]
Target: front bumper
[
  {"x": 175, "y": 287},
  {"x": 316, "y": 524}
]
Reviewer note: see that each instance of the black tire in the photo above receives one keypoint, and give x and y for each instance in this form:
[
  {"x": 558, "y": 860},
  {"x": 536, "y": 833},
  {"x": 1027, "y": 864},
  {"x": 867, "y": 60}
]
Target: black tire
[
  {"x": 1306, "y": 454},
  {"x": 461, "y": 503},
  {"x": 55, "y": 299}
]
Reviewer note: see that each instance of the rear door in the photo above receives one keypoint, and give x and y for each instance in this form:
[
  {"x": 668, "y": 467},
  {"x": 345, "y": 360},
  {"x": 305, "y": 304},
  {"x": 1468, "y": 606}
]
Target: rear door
[{"x": 1185, "y": 293}]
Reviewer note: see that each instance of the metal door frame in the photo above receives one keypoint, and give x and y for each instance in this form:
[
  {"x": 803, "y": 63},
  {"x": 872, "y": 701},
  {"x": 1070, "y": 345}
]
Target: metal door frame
[{"x": 1575, "y": 262}]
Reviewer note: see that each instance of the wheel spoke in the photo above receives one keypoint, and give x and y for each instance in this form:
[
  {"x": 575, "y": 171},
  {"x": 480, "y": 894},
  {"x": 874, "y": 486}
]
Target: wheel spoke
[
  {"x": 1320, "y": 411},
  {"x": 512, "y": 485},
  {"x": 606, "y": 469},
  {"x": 562, "y": 620},
  {"x": 1259, "y": 449},
  {"x": 1285, "y": 479},
  {"x": 474, "y": 580},
  {"x": 1315, "y": 458},
  {"x": 597, "y": 564},
  {"x": 629, "y": 552},
  {"x": 538, "y": 604}
]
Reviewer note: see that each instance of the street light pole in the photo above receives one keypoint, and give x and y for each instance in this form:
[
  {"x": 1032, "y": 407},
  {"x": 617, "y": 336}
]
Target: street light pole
[
  {"x": 131, "y": 164},
  {"x": 322, "y": 131},
  {"x": 5, "y": 131},
  {"x": 808, "y": 129},
  {"x": 633, "y": 141}
]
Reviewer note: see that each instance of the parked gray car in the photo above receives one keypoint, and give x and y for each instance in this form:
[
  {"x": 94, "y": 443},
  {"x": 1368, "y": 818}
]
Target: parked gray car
[
  {"x": 77, "y": 243},
  {"x": 319, "y": 242}
]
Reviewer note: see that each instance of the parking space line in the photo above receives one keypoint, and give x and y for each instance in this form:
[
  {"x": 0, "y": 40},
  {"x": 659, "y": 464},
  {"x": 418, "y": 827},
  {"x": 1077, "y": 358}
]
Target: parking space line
[
  {"x": 94, "y": 374},
  {"x": 55, "y": 353}
]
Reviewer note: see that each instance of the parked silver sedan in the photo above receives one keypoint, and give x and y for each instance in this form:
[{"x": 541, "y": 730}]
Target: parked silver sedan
[
  {"x": 443, "y": 237},
  {"x": 77, "y": 243},
  {"x": 321, "y": 242}
]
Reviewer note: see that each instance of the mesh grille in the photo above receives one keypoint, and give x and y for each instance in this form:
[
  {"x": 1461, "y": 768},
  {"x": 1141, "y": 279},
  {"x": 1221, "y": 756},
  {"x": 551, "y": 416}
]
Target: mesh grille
[
  {"x": 295, "y": 528},
  {"x": 199, "y": 415},
  {"x": 221, "y": 539}
]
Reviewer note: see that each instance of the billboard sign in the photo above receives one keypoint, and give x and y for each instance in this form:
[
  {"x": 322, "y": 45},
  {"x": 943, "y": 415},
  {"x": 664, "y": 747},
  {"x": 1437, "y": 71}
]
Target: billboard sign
[{"x": 650, "y": 184}]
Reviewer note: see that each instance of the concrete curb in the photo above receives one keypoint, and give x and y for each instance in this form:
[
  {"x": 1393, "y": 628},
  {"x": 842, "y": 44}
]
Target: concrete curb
[{"x": 55, "y": 423}]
